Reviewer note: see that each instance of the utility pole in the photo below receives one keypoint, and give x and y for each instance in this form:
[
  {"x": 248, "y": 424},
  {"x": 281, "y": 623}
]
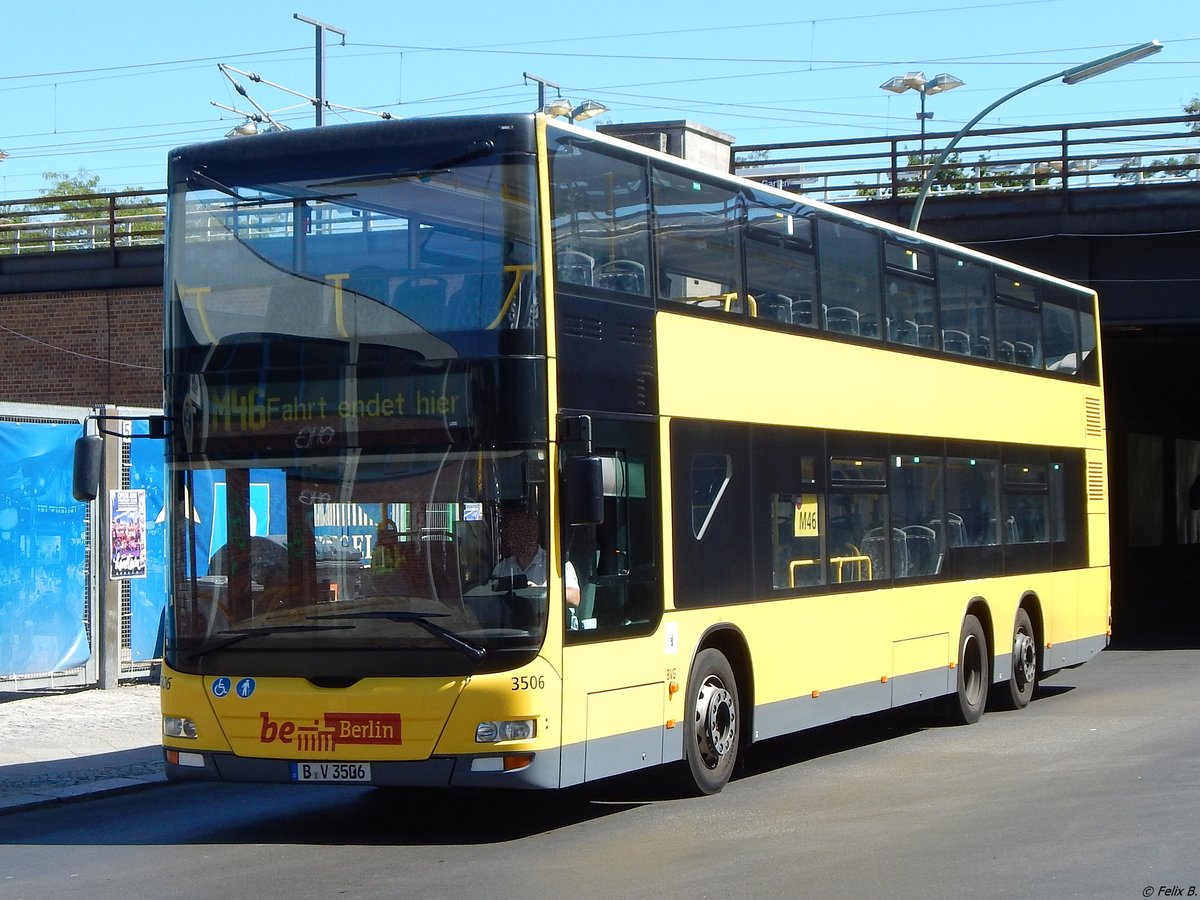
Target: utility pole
[{"x": 319, "y": 92}]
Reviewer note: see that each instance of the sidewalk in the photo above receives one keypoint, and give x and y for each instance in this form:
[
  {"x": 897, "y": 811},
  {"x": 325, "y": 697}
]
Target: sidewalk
[{"x": 57, "y": 745}]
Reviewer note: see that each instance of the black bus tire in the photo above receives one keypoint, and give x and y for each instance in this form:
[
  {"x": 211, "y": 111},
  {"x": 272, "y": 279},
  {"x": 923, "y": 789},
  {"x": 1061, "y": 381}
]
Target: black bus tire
[
  {"x": 972, "y": 673},
  {"x": 712, "y": 723}
]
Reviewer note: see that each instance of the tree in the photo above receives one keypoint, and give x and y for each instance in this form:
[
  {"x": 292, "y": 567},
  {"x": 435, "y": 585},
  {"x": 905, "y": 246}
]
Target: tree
[
  {"x": 136, "y": 215},
  {"x": 1171, "y": 166},
  {"x": 950, "y": 177}
]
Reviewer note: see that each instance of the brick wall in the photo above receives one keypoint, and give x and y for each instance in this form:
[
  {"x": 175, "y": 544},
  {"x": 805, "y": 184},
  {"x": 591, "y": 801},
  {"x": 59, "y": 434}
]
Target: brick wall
[{"x": 82, "y": 348}]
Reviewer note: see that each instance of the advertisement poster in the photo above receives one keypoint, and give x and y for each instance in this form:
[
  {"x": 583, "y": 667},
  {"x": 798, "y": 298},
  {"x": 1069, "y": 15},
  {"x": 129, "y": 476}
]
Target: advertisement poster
[{"x": 128, "y": 538}]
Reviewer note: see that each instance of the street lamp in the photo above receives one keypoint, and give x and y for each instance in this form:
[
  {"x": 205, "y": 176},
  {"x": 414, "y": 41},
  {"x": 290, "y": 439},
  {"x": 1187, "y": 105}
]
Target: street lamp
[
  {"x": 1073, "y": 75},
  {"x": 560, "y": 106},
  {"x": 586, "y": 110},
  {"x": 916, "y": 81}
]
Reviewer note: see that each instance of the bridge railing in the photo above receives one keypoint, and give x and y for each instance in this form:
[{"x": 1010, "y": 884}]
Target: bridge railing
[
  {"x": 82, "y": 222},
  {"x": 1025, "y": 158}
]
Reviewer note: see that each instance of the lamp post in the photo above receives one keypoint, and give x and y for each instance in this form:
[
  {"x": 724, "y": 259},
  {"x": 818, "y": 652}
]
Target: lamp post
[
  {"x": 1073, "y": 75},
  {"x": 560, "y": 106},
  {"x": 916, "y": 81}
]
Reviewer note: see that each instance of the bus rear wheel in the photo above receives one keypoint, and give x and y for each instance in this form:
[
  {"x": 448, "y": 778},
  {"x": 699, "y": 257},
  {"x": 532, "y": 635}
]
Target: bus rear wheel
[
  {"x": 970, "y": 695},
  {"x": 1023, "y": 680},
  {"x": 712, "y": 727}
]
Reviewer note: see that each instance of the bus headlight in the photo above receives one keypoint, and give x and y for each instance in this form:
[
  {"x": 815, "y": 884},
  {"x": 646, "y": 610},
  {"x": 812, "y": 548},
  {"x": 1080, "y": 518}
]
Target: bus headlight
[
  {"x": 517, "y": 730},
  {"x": 179, "y": 727}
]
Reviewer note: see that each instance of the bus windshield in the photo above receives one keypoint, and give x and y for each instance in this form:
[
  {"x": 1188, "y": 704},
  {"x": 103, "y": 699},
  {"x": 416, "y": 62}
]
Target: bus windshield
[{"x": 398, "y": 560}]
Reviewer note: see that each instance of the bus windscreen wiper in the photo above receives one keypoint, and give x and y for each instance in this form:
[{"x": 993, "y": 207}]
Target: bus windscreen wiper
[
  {"x": 235, "y": 637},
  {"x": 421, "y": 620}
]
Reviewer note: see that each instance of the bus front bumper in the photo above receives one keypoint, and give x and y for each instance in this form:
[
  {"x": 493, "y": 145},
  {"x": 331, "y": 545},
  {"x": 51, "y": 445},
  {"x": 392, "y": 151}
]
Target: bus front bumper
[{"x": 494, "y": 770}]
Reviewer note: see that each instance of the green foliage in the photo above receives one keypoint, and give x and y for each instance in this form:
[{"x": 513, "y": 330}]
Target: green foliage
[
  {"x": 1169, "y": 167},
  {"x": 74, "y": 213},
  {"x": 952, "y": 176},
  {"x": 89, "y": 200}
]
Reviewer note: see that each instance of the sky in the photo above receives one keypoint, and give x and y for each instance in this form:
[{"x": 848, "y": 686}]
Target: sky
[{"x": 110, "y": 88}]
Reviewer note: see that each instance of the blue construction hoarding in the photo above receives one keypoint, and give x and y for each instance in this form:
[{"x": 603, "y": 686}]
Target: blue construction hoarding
[{"x": 44, "y": 613}]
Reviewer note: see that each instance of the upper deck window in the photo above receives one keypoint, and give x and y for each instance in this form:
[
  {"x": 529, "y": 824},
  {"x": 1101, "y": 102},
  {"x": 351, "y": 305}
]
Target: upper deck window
[
  {"x": 601, "y": 214},
  {"x": 781, "y": 268},
  {"x": 697, "y": 230},
  {"x": 850, "y": 278},
  {"x": 910, "y": 300},
  {"x": 433, "y": 263}
]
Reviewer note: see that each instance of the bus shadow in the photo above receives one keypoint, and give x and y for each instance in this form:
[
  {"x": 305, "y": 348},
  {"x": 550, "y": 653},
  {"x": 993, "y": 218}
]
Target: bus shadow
[
  {"x": 230, "y": 814},
  {"x": 412, "y": 817}
]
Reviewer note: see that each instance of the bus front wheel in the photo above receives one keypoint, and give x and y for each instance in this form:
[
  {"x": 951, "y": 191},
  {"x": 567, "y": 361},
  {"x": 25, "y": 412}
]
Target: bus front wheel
[
  {"x": 712, "y": 727},
  {"x": 970, "y": 696}
]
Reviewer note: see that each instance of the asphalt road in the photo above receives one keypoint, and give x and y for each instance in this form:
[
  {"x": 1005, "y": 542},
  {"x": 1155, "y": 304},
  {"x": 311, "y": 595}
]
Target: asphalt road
[{"x": 1091, "y": 792}]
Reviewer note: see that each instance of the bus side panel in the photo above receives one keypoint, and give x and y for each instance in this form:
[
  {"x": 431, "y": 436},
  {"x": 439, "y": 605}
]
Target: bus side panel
[{"x": 614, "y": 707}]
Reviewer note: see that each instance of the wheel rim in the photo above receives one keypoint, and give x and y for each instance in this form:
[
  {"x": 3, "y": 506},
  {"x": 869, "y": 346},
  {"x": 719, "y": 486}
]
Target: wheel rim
[
  {"x": 716, "y": 721},
  {"x": 1024, "y": 660},
  {"x": 972, "y": 670}
]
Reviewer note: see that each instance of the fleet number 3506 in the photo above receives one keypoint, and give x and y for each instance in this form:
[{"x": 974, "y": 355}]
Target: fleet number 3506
[{"x": 528, "y": 682}]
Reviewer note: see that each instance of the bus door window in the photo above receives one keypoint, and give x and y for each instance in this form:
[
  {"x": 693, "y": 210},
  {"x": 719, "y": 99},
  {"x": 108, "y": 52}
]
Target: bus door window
[
  {"x": 850, "y": 276},
  {"x": 697, "y": 226},
  {"x": 601, "y": 553},
  {"x": 781, "y": 271},
  {"x": 615, "y": 560},
  {"x": 861, "y": 544},
  {"x": 916, "y": 485}
]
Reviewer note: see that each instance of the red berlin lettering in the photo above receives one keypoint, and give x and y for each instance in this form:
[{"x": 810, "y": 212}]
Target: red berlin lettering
[
  {"x": 364, "y": 728},
  {"x": 339, "y": 728},
  {"x": 276, "y": 731}
]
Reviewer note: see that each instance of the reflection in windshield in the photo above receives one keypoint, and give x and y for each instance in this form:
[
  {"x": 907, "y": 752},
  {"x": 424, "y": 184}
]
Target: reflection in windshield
[
  {"x": 385, "y": 555},
  {"x": 433, "y": 266}
]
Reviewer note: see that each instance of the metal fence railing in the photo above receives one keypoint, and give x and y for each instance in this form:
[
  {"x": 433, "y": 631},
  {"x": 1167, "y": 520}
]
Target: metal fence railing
[
  {"x": 1028, "y": 158},
  {"x": 82, "y": 222},
  {"x": 1063, "y": 157}
]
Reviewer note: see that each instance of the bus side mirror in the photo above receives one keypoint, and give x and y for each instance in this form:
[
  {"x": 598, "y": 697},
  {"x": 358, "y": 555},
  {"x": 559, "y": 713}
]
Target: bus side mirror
[
  {"x": 584, "y": 491},
  {"x": 85, "y": 475}
]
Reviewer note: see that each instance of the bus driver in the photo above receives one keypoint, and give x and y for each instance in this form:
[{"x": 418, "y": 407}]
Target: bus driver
[{"x": 523, "y": 555}]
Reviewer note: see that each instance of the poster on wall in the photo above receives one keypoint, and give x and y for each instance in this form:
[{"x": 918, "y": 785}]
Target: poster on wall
[{"x": 127, "y": 537}]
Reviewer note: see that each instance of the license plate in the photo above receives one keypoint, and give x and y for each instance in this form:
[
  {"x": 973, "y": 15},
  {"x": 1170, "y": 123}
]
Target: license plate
[{"x": 338, "y": 773}]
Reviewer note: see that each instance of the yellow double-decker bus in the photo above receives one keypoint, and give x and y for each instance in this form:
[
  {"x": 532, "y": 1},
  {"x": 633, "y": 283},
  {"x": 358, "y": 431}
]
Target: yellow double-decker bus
[{"x": 505, "y": 454}]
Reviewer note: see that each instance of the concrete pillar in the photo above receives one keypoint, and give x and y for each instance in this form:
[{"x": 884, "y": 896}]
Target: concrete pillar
[{"x": 108, "y": 621}]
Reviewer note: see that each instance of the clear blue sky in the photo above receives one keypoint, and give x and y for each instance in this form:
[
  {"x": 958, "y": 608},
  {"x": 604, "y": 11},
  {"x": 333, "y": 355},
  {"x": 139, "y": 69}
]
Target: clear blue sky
[{"x": 111, "y": 87}]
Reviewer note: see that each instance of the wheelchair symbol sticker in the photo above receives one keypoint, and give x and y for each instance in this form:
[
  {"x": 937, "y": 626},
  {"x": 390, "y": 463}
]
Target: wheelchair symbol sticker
[
  {"x": 245, "y": 687},
  {"x": 220, "y": 687}
]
